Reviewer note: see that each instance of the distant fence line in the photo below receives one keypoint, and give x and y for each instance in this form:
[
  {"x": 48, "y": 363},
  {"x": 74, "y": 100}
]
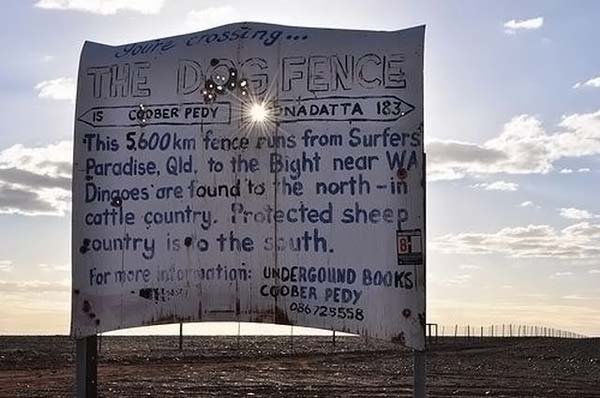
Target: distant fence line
[{"x": 434, "y": 330}]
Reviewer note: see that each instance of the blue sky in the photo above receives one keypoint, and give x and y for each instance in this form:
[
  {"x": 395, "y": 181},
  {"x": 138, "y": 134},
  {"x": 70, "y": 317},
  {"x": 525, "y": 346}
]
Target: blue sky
[{"x": 512, "y": 117}]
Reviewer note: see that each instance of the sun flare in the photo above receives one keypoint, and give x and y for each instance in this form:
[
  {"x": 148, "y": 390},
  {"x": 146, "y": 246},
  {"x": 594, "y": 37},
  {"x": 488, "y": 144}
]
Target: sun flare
[{"x": 259, "y": 113}]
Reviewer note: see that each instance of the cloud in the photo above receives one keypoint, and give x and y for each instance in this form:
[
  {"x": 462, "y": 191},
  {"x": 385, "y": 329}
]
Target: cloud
[
  {"x": 584, "y": 170},
  {"x": 13, "y": 175},
  {"x": 53, "y": 160},
  {"x": 594, "y": 271},
  {"x": 5, "y": 265},
  {"x": 497, "y": 186},
  {"x": 578, "y": 241},
  {"x": 512, "y": 26},
  {"x": 574, "y": 297},
  {"x": 522, "y": 147},
  {"x": 62, "y": 88},
  {"x": 211, "y": 17},
  {"x": 558, "y": 275},
  {"x": 593, "y": 82},
  {"x": 527, "y": 203},
  {"x": 54, "y": 267},
  {"x": 458, "y": 280},
  {"x": 566, "y": 171},
  {"x": 469, "y": 266},
  {"x": 575, "y": 214},
  {"x": 104, "y": 7},
  {"x": 28, "y": 203},
  {"x": 34, "y": 286},
  {"x": 36, "y": 180}
]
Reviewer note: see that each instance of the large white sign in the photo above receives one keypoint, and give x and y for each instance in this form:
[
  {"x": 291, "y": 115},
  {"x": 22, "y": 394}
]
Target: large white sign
[{"x": 252, "y": 172}]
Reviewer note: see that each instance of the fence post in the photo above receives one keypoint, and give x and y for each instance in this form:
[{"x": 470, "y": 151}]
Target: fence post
[
  {"x": 180, "y": 336},
  {"x": 428, "y": 334}
]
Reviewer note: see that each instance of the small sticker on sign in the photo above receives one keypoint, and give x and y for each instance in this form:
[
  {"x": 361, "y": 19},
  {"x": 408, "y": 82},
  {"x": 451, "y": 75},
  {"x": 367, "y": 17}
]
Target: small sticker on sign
[{"x": 409, "y": 243}]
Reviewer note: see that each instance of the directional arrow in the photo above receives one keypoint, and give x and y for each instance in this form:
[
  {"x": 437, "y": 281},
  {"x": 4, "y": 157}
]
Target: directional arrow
[
  {"x": 384, "y": 108},
  {"x": 187, "y": 113}
]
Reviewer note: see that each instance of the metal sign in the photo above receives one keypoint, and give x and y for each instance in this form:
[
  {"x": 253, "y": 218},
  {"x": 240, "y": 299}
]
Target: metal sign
[{"x": 252, "y": 172}]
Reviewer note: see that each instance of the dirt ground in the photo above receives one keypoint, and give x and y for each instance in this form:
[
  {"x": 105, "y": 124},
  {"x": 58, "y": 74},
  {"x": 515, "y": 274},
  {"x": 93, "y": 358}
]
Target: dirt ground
[{"x": 303, "y": 367}]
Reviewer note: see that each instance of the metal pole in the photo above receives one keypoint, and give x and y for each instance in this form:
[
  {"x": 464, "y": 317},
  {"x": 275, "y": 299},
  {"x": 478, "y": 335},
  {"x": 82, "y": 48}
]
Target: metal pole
[
  {"x": 86, "y": 376},
  {"x": 429, "y": 334},
  {"x": 333, "y": 338},
  {"x": 420, "y": 370},
  {"x": 180, "y": 336},
  {"x": 420, "y": 366}
]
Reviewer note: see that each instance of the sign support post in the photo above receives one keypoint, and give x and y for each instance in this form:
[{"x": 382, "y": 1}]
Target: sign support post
[
  {"x": 420, "y": 372},
  {"x": 86, "y": 358},
  {"x": 420, "y": 357}
]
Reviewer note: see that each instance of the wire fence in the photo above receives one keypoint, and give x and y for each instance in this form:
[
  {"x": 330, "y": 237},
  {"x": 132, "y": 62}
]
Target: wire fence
[{"x": 434, "y": 330}]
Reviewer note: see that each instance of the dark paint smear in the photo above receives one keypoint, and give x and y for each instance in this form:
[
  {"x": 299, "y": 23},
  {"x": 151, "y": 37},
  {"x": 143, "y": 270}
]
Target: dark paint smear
[
  {"x": 281, "y": 317},
  {"x": 146, "y": 293},
  {"x": 400, "y": 339}
]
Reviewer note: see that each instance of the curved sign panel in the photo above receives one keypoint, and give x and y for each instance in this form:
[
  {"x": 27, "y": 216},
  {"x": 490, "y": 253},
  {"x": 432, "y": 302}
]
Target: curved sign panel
[{"x": 251, "y": 172}]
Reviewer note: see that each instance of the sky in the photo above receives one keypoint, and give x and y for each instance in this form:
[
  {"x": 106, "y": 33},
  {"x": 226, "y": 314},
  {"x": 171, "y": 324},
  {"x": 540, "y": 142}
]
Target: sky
[{"x": 512, "y": 127}]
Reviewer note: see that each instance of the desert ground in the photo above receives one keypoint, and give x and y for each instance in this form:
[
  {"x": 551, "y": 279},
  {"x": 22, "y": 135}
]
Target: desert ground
[{"x": 153, "y": 366}]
